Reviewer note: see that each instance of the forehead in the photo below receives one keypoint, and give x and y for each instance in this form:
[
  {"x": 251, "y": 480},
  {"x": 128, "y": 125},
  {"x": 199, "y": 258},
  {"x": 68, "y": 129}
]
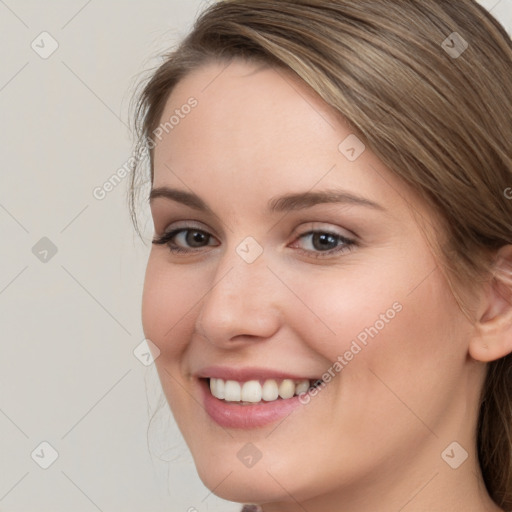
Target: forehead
[
  {"x": 241, "y": 80},
  {"x": 257, "y": 132},
  {"x": 244, "y": 110},
  {"x": 245, "y": 98}
]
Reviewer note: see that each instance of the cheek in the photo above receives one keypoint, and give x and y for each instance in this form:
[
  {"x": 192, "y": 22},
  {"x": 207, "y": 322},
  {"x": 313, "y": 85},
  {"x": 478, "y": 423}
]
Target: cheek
[
  {"x": 394, "y": 324},
  {"x": 168, "y": 301},
  {"x": 406, "y": 339},
  {"x": 352, "y": 306}
]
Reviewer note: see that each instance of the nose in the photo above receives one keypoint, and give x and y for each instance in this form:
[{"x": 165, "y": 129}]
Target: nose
[{"x": 242, "y": 304}]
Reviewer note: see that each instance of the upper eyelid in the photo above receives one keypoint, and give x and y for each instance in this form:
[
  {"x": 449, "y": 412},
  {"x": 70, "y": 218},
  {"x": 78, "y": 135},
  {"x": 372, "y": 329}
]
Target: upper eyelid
[
  {"x": 308, "y": 232},
  {"x": 191, "y": 225},
  {"x": 299, "y": 217}
]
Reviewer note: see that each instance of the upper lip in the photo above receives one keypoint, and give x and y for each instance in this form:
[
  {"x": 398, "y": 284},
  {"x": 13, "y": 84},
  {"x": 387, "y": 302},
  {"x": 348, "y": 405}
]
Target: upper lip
[{"x": 247, "y": 373}]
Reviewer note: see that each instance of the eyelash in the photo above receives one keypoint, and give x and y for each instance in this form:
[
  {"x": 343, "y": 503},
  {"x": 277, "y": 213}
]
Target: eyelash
[{"x": 346, "y": 245}]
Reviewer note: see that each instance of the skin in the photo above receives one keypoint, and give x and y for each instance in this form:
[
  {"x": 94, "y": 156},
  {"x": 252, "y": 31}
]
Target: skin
[{"x": 372, "y": 439}]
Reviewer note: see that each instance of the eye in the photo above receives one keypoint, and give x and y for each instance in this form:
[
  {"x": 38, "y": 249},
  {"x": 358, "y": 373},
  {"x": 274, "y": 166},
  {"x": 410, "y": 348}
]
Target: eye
[
  {"x": 316, "y": 244},
  {"x": 185, "y": 240},
  {"x": 324, "y": 243}
]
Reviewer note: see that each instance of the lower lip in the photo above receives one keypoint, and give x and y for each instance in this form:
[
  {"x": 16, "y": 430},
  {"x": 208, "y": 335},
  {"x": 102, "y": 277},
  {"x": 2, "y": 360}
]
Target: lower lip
[{"x": 235, "y": 415}]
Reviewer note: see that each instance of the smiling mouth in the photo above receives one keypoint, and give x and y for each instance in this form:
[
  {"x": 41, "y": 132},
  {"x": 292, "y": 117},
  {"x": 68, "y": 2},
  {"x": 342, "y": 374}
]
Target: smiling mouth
[{"x": 259, "y": 391}]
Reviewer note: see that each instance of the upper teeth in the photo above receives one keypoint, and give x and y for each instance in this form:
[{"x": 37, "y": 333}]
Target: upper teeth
[{"x": 253, "y": 391}]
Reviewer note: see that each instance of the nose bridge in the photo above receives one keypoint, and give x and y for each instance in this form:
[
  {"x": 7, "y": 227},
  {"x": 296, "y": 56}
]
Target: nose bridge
[{"x": 242, "y": 299}]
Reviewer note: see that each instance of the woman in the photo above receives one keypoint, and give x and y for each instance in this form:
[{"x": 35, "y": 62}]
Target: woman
[{"x": 330, "y": 283}]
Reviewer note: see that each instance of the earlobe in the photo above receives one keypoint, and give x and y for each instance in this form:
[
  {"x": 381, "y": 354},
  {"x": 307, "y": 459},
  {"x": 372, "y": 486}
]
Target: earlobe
[{"x": 492, "y": 338}]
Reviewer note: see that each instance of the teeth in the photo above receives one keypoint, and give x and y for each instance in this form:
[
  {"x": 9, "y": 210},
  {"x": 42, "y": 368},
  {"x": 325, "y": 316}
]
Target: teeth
[
  {"x": 253, "y": 392},
  {"x": 217, "y": 388},
  {"x": 287, "y": 388},
  {"x": 270, "y": 391},
  {"x": 232, "y": 391},
  {"x": 302, "y": 387}
]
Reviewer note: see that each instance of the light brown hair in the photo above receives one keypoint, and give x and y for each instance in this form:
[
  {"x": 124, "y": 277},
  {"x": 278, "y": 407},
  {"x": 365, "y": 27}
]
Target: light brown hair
[{"x": 441, "y": 121}]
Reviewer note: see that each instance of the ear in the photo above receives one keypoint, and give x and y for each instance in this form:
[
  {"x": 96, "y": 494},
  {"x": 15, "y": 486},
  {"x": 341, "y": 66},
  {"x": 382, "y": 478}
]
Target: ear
[{"x": 492, "y": 338}]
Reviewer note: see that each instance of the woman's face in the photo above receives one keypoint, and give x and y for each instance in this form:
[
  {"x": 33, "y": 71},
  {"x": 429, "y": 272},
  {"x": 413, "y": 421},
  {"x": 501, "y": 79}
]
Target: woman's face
[{"x": 300, "y": 260}]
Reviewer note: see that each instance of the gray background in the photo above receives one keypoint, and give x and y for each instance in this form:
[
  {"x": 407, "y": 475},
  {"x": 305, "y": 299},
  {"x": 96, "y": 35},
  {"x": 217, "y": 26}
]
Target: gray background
[{"x": 71, "y": 320}]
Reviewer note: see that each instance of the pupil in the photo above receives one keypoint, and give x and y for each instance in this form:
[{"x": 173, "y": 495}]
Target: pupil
[
  {"x": 196, "y": 238},
  {"x": 324, "y": 241}
]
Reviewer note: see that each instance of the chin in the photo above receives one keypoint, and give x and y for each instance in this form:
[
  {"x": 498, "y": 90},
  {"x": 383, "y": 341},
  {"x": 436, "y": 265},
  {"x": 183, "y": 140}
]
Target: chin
[{"x": 243, "y": 486}]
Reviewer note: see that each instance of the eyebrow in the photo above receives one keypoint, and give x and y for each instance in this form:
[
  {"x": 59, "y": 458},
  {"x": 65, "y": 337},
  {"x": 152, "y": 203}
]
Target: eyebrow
[
  {"x": 288, "y": 202},
  {"x": 302, "y": 200},
  {"x": 180, "y": 196}
]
